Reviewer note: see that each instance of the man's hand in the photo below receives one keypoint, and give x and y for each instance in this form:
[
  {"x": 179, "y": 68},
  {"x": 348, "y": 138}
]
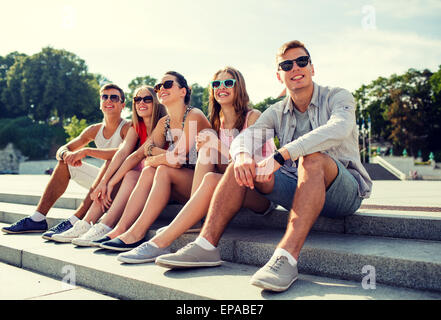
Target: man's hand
[
  {"x": 266, "y": 168},
  {"x": 74, "y": 158},
  {"x": 245, "y": 170}
]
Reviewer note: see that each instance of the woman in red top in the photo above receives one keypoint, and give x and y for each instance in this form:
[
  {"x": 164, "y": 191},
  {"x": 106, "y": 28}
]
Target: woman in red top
[{"x": 126, "y": 165}]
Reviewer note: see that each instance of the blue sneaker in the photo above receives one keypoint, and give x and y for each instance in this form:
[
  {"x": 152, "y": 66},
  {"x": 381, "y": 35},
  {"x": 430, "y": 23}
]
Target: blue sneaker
[
  {"x": 59, "y": 228},
  {"x": 26, "y": 225}
]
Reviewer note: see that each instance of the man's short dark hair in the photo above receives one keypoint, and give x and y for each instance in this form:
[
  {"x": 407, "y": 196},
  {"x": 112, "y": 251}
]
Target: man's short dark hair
[{"x": 113, "y": 86}]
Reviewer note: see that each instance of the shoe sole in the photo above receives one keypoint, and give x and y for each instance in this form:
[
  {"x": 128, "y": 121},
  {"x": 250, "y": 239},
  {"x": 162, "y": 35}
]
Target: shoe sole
[
  {"x": 22, "y": 232},
  {"x": 268, "y": 286},
  {"x": 62, "y": 240},
  {"x": 185, "y": 265},
  {"x": 115, "y": 248},
  {"x": 82, "y": 243},
  {"x": 135, "y": 261}
]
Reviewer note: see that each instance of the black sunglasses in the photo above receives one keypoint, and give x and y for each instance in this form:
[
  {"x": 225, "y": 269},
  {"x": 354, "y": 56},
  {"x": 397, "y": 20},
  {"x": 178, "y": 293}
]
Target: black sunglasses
[
  {"x": 112, "y": 97},
  {"x": 288, "y": 64},
  {"x": 166, "y": 84},
  {"x": 146, "y": 99}
]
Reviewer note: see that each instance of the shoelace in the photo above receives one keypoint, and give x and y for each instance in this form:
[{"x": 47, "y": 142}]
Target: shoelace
[
  {"x": 61, "y": 226},
  {"x": 277, "y": 263},
  {"x": 19, "y": 223},
  {"x": 189, "y": 245}
]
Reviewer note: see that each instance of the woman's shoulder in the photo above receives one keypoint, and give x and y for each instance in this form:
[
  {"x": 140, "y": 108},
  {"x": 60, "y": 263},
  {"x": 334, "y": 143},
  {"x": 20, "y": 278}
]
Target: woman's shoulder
[
  {"x": 196, "y": 114},
  {"x": 252, "y": 116}
]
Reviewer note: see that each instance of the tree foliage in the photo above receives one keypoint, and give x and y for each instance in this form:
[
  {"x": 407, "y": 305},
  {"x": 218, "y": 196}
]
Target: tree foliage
[
  {"x": 404, "y": 109},
  {"x": 51, "y": 86}
]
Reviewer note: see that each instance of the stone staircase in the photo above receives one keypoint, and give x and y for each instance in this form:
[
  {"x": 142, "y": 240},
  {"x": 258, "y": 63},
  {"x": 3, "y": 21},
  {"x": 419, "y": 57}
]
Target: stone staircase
[{"x": 399, "y": 252}]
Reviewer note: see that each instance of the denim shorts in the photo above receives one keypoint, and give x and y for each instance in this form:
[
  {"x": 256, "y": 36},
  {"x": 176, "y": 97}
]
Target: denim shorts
[{"x": 342, "y": 197}]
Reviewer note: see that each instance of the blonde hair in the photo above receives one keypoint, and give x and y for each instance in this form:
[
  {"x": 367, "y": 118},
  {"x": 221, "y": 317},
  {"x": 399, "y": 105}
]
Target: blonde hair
[{"x": 158, "y": 109}]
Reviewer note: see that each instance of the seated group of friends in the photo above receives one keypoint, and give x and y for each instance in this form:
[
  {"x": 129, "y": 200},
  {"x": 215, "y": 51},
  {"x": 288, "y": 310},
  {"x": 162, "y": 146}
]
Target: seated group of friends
[{"x": 214, "y": 167}]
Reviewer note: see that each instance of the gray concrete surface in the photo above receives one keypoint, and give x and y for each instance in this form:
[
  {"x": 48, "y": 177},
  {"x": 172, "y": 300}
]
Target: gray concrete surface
[
  {"x": 99, "y": 270},
  {"x": 399, "y": 193},
  {"x": 20, "y": 284}
]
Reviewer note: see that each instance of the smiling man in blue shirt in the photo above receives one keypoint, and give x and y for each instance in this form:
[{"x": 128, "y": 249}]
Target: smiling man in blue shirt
[{"x": 317, "y": 170}]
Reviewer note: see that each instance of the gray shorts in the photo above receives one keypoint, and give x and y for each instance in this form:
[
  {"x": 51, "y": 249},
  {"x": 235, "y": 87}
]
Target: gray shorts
[{"x": 342, "y": 197}]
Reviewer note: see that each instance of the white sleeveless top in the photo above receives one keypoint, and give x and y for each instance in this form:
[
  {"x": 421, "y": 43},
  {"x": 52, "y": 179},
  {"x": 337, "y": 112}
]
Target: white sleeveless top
[{"x": 114, "y": 141}]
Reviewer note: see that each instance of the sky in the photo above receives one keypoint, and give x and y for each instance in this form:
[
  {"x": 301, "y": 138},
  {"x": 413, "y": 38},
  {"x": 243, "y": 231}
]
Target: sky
[{"x": 351, "y": 42}]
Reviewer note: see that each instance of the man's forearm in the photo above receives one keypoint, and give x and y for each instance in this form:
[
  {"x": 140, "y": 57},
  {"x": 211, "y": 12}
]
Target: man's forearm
[{"x": 103, "y": 154}]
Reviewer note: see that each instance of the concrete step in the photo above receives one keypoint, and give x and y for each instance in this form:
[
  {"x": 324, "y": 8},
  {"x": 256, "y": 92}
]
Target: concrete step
[
  {"x": 423, "y": 225},
  {"x": 20, "y": 284},
  {"x": 99, "y": 270},
  {"x": 401, "y": 262}
]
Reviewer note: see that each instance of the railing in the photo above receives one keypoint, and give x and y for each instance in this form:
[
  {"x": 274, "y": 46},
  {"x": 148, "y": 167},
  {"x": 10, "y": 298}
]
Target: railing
[{"x": 389, "y": 167}]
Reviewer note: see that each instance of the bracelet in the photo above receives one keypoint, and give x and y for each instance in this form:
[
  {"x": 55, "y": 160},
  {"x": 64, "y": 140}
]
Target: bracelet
[
  {"x": 60, "y": 155},
  {"x": 149, "y": 149}
]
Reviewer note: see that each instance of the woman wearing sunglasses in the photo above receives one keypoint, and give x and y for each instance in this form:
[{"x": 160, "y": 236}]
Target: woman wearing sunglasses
[
  {"x": 125, "y": 164},
  {"x": 168, "y": 150},
  {"x": 229, "y": 114}
]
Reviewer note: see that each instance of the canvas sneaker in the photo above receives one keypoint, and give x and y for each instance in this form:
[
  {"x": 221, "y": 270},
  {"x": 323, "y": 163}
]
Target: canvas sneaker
[
  {"x": 26, "y": 225},
  {"x": 96, "y": 232},
  {"x": 190, "y": 256},
  {"x": 79, "y": 228},
  {"x": 142, "y": 254},
  {"x": 276, "y": 275},
  {"x": 59, "y": 228}
]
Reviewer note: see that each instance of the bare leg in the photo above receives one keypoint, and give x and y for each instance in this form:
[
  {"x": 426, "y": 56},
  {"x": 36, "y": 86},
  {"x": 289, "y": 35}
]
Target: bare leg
[
  {"x": 115, "y": 211},
  {"x": 226, "y": 202},
  {"x": 136, "y": 202},
  {"x": 193, "y": 211},
  {"x": 205, "y": 164},
  {"x": 166, "y": 178},
  {"x": 55, "y": 188},
  {"x": 316, "y": 172}
]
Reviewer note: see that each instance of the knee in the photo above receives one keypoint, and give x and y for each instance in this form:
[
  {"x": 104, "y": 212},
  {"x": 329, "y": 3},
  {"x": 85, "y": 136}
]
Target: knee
[
  {"x": 210, "y": 179},
  {"x": 162, "y": 171},
  {"x": 147, "y": 173},
  {"x": 131, "y": 176},
  {"x": 312, "y": 163}
]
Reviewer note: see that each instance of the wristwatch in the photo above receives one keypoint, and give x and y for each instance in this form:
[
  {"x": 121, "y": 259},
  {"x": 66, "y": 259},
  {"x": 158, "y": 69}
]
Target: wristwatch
[{"x": 279, "y": 158}]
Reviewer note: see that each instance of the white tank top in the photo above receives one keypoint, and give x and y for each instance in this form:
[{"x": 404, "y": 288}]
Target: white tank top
[{"x": 114, "y": 141}]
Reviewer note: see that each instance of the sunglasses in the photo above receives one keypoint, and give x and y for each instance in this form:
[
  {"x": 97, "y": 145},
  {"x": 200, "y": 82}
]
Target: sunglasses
[
  {"x": 288, "y": 64},
  {"x": 146, "y": 99},
  {"x": 166, "y": 84},
  {"x": 229, "y": 83},
  {"x": 112, "y": 97}
]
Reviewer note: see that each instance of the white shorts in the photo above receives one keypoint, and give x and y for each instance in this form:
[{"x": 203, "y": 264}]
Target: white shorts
[{"x": 84, "y": 175}]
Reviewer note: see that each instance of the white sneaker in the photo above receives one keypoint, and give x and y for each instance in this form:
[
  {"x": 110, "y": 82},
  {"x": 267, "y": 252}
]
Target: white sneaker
[
  {"x": 79, "y": 228},
  {"x": 96, "y": 232}
]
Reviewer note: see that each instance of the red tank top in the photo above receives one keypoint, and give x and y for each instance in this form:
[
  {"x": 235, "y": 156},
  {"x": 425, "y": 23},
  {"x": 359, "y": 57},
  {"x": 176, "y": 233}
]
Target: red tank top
[{"x": 142, "y": 132}]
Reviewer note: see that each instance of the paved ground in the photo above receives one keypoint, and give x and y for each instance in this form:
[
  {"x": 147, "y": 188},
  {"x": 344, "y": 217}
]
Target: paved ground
[
  {"x": 384, "y": 193},
  {"x": 20, "y": 284}
]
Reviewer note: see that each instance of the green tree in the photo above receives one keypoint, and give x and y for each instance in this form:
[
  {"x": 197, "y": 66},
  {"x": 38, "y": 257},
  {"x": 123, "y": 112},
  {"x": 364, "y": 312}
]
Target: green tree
[
  {"x": 5, "y": 64},
  {"x": 266, "y": 103},
  {"x": 199, "y": 98},
  {"x": 403, "y": 110},
  {"x": 51, "y": 86},
  {"x": 136, "y": 83}
]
